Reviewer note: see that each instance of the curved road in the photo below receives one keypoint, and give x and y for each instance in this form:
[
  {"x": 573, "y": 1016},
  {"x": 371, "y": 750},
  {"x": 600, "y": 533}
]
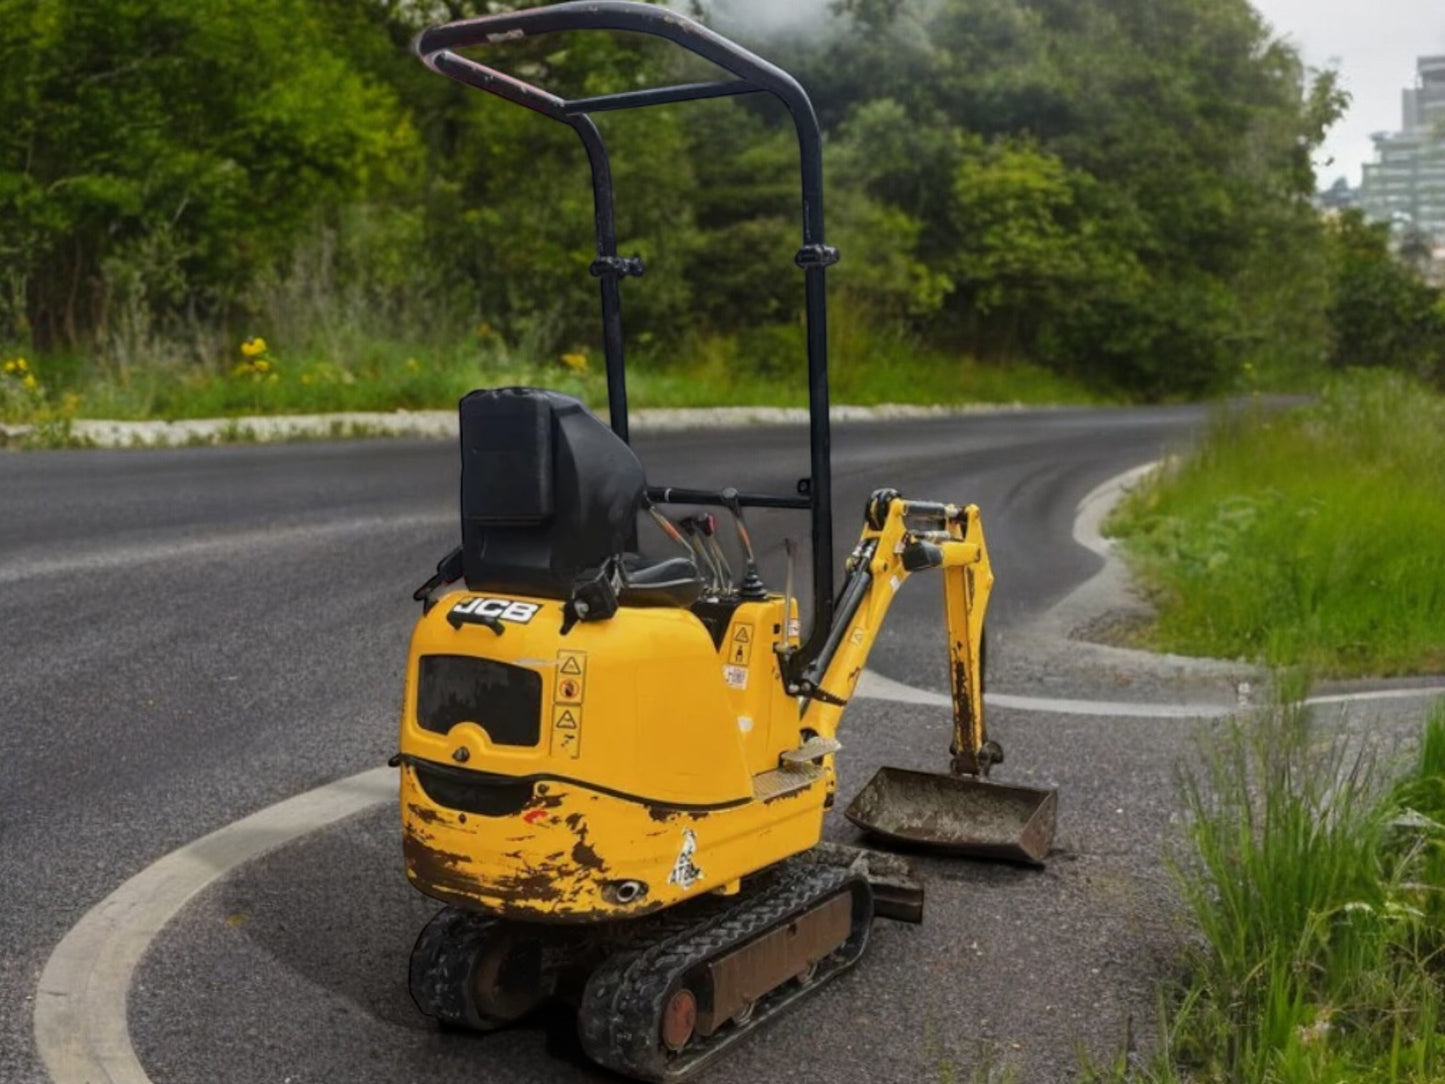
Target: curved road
[{"x": 192, "y": 635}]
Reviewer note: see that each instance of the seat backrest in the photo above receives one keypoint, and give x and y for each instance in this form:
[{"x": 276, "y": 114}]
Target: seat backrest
[{"x": 548, "y": 491}]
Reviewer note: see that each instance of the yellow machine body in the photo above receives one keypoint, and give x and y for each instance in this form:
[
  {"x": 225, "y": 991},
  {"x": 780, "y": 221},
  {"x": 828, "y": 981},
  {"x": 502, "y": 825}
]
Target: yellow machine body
[{"x": 665, "y": 760}]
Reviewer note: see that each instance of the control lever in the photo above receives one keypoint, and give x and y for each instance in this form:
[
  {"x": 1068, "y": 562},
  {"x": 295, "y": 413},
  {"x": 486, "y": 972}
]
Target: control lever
[
  {"x": 668, "y": 529},
  {"x": 703, "y": 528},
  {"x": 752, "y": 586}
]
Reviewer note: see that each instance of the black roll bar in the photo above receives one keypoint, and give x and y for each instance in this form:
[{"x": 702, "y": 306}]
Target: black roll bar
[{"x": 437, "y": 49}]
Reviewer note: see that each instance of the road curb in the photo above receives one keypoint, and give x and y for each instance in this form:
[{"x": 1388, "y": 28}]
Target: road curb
[
  {"x": 441, "y": 424},
  {"x": 1113, "y": 589},
  {"x": 81, "y": 1027}
]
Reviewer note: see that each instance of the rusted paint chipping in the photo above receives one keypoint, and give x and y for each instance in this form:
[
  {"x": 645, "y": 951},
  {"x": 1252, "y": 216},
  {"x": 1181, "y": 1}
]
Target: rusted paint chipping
[
  {"x": 423, "y": 814},
  {"x": 438, "y": 871},
  {"x": 787, "y": 794},
  {"x": 583, "y": 853},
  {"x": 587, "y": 858},
  {"x": 963, "y": 728}
]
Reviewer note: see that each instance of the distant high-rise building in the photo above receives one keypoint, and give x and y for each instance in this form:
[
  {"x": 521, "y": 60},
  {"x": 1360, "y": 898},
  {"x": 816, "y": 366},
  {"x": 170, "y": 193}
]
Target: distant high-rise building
[{"x": 1406, "y": 184}]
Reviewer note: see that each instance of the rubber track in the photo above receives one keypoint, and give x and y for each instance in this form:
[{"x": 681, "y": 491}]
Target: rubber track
[
  {"x": 621, "y": 1011},
  {"x": 440, "y": 971}
]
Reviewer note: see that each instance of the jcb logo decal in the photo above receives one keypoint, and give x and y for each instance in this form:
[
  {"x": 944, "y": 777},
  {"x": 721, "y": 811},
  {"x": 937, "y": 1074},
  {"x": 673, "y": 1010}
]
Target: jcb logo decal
[{"x": 504, "y": 609}]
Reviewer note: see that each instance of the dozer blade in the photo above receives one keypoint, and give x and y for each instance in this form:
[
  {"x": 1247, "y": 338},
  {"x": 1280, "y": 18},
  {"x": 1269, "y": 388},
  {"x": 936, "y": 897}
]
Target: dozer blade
[{"x": 957, "y": 814}]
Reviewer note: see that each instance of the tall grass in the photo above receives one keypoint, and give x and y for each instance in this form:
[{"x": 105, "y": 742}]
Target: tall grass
[
  {"x": 327, "y": 359},
  {"x": 1318, "y": 961},
  {"x": 1315, "y": 885},
  {"x": 1308, "y": 538}
]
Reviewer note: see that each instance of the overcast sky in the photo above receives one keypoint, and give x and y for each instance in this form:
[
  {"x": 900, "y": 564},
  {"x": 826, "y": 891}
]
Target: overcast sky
[{"x": 1374, "y": 44}]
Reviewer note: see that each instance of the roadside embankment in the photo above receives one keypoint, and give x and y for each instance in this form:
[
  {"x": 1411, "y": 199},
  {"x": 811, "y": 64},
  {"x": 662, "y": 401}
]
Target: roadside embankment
[{"x": 1306, "y": 538}]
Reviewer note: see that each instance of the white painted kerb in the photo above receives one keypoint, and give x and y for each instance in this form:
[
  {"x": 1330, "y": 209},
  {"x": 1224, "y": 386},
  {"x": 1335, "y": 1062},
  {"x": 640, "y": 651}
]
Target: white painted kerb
[{"x": 80, "y": 1007}]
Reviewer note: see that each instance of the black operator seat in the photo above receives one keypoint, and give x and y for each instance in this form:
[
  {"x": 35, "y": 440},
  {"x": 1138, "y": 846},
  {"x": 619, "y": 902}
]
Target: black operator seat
[{"x": 550, "y": 492}]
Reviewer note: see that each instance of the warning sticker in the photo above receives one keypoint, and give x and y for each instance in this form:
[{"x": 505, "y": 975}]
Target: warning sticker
[
  {"x": 857, "y": 638},
  {"x": 571, "y": 677},
  {"x": 567, "y": 731},
  {"x": 684, "y": 874},
  {"x": 736, "y": 676},
  {"x": 740, "y": 652}
]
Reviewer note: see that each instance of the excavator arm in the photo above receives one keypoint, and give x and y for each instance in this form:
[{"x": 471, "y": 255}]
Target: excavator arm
[{"x": 901, "y": 538}]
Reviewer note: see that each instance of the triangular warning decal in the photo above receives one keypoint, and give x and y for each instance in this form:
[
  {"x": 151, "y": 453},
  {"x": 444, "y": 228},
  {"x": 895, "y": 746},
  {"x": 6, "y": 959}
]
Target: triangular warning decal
[
  {"x": 570, "y": 665},
  {"x": 742, "y": 636},
  {"x": 566, "y": 721}
]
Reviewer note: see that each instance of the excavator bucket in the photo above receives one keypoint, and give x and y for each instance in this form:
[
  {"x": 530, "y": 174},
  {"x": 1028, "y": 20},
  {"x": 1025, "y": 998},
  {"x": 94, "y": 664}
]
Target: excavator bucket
[
  {"x": 962, "y": 812},
  {"x": 957, "y": 814}
]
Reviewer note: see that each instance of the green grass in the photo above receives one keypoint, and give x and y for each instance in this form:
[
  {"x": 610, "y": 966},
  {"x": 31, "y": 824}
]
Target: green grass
[
  {"x": 1320, "y": 962},
  {"x": 1307, "y": 538},
  {"x": 1317, "y": 888},
  {"x": 765, "y": 366}
]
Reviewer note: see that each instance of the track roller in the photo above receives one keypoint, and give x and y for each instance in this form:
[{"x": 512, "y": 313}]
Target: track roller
[
  {"x": 477, "y": 972},
  {"x": 661, "y": 1012}
]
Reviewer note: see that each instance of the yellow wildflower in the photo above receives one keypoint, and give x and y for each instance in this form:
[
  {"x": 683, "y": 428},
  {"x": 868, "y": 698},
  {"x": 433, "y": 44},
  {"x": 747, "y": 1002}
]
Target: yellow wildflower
[
  {"x": 9, "y": 366},
  {"x": 254, "y": 347},
  {"x": 21, "y": 365},
  {"x": 574, "y": 361},
  {"x": 30, "y": 382},
  {"x": 261, "y": 365}
]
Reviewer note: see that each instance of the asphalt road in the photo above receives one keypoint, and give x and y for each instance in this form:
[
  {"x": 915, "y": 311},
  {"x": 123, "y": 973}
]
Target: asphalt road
[{"x": 191, "y": 635}]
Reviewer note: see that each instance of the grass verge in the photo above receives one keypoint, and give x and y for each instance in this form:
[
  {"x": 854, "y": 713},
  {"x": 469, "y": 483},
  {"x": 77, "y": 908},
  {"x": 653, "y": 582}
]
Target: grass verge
[
  {"x": 1318, "y": 899},
  {"x": 762, "y": 367},
  {"x": 1317, "y": 884},
  {"x": 1311, "y": 538}
]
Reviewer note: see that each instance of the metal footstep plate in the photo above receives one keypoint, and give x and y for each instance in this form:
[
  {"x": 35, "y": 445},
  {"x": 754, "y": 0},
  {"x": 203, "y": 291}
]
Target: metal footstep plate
[{"x": 957, "y": 814}]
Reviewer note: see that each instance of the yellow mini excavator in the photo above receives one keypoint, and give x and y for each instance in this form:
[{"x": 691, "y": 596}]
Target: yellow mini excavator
[{"x": 614, "y": 769}]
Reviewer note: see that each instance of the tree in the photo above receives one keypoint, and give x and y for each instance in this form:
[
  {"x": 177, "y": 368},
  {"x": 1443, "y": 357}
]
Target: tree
[
  {"x": 1383, "y": 313},
  {"x": 170, "y": 149}
]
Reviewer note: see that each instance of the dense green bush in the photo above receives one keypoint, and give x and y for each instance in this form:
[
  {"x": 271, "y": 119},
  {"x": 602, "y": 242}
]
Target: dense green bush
[
  {"x": 1116, "y": 189},
  {"x": 157, "y": 157},
  {"x": 1383, "y": 314}
]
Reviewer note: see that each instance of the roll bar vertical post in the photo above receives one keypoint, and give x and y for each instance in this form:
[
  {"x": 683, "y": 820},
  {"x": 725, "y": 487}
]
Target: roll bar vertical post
[
  {"x": 437, "y": 49},
  {"x": 608, "y": 268}
]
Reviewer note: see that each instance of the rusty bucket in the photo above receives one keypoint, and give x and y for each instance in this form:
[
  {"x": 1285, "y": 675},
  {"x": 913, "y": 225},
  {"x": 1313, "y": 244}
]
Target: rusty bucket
[{"x": 957, "y": 814}]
